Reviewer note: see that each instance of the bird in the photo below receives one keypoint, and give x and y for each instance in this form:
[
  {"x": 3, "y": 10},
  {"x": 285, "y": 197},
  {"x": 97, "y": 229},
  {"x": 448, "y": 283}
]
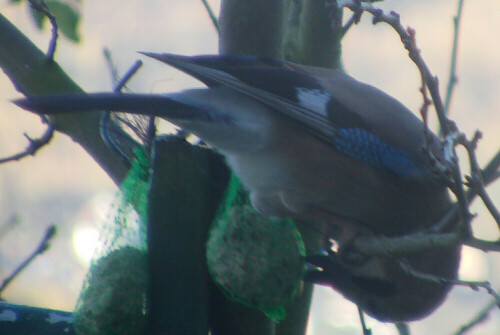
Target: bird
[{"x": 315, "y": 144}]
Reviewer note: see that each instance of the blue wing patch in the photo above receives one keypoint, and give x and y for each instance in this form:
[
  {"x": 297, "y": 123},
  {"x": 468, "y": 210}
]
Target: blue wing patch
[{"x": 367, "y": 147}]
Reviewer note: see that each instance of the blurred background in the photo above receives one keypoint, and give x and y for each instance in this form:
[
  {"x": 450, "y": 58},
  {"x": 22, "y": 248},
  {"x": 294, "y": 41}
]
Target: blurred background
[{"x": 62, "y": 185}]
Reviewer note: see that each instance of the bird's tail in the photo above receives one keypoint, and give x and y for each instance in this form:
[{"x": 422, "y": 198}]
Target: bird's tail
[
  {"x": 219, "y": 117},
  {"x": 170, "y": 106}
]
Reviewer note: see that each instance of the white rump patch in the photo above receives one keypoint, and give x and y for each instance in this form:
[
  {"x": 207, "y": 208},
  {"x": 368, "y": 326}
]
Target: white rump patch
[{"x": 313, "y": 99}]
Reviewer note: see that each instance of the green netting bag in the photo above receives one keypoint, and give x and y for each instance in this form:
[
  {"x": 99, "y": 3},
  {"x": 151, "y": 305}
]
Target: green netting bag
[
  {"x": 113, "y": 297},
  {"x": 256, "y": 260}
]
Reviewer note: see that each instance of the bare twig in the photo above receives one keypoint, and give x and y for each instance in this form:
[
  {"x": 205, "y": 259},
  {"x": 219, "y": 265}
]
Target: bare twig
[
  {"x": 478, "y": 319},
  {"x": 488, "y": 202},
  {"x": 420, "y": 241},
  {"x": 22, "y": 319},
  {"x": 475, "y": 180},
  {"x": 490, "y": 173},
  {"x": 151, "y": 128},
  {"x": 111, "y": 66},
  {"x": 105, "y": 123},
  {"x": 366, "y": 330},
  {"x": 348, "y": 25},
  {"x": 474, "y": 285},
  {"x": 440, "y": 169},
  {"x": 390, "y": 246},
  {"x": 212, "y": 15},
  {"x": 452, "y": 79},
  {"x": 34, "y": 145},
  {"x": 482, "y": 244},
  {"x": 42, "y": 247},
  {"x": 449, "y": 169},
  {"x": 433, "y": 237},
  {"x": 450, "y": 132},
  {"x": 457, "y": 186},
  {"x": 452, "y": 138},
  {"x": 403, "y": 328},
  {"x": 126, "y": 77},
  {"x": 41, "y": 6},
  {"x": 119, "y": 84}
]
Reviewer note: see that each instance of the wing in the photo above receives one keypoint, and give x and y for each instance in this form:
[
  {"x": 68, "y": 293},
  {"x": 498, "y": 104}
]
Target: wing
[
  {"x": 355, "y": 118},
  {"x": 221, "y": 70}
]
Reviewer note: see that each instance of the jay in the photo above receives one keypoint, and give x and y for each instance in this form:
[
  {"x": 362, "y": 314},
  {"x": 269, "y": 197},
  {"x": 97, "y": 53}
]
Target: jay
[{"x": 314, "y": 144}]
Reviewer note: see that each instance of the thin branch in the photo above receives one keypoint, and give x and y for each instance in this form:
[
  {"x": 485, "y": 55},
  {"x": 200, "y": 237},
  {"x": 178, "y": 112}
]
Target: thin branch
[
  {"x": 119, "y": 84},
  {"x": 105, "y": 124},
  {"x": 126, "y": 77},
  {"x": 111, "y": 66},
  {"x": 408, "y": 39},
  {"x": 475, "y": 180},
  {"x": 452, "y": 79},
  {"x": 41, "y": 6},
  {"x": 491, "y": 171},
  {"x": 473, "y": 285},
  {"x": 21, "y": 319},
  {"x": 433, "y": 237},
  {"x": 478, "y": 319},
  {"x": 488, "y": 202},
  {"x": 440, "y": 169},
  {"x": 42, "y": 247},
  {"x": 366, "y": 330},
  {"x": 212, "y": 15},
  {"x": 411, "y": 243},
  {"x": 457, "y": 187},
  {"x": 26, "y": 66},
  {"x": 450, "y": 131},
  {"x": 482, "y": 244},
  {"x": 34, "y": 144},
  {"x": 390, "y": 246},
  {"x": 403, "y": 328},
  {"x": 151, "y": 128},
  {"x": 348, "y": 25}
]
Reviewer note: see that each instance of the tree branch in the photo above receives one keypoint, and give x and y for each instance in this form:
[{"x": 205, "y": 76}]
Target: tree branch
[
  {"x": 31, "y": 74},
  {"x": 41, "y": 6},
  {"x": 452, "y": 79},
  {"x": 42, "y": 247},
  {"x": 452, "y": 136},
  {"x": 19, "y": 319},
  {"x": 33, "y": 144},
  {"x": 478, "y": 319}
]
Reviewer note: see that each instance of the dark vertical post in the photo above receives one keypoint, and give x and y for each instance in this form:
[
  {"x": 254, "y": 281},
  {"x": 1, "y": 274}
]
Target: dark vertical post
[{"x": 186, "y": 185}]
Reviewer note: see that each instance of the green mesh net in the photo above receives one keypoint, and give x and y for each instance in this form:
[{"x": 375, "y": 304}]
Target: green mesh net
[
  {"x": 112, "y": 300},
  {"x": 255, "y": 260}
]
